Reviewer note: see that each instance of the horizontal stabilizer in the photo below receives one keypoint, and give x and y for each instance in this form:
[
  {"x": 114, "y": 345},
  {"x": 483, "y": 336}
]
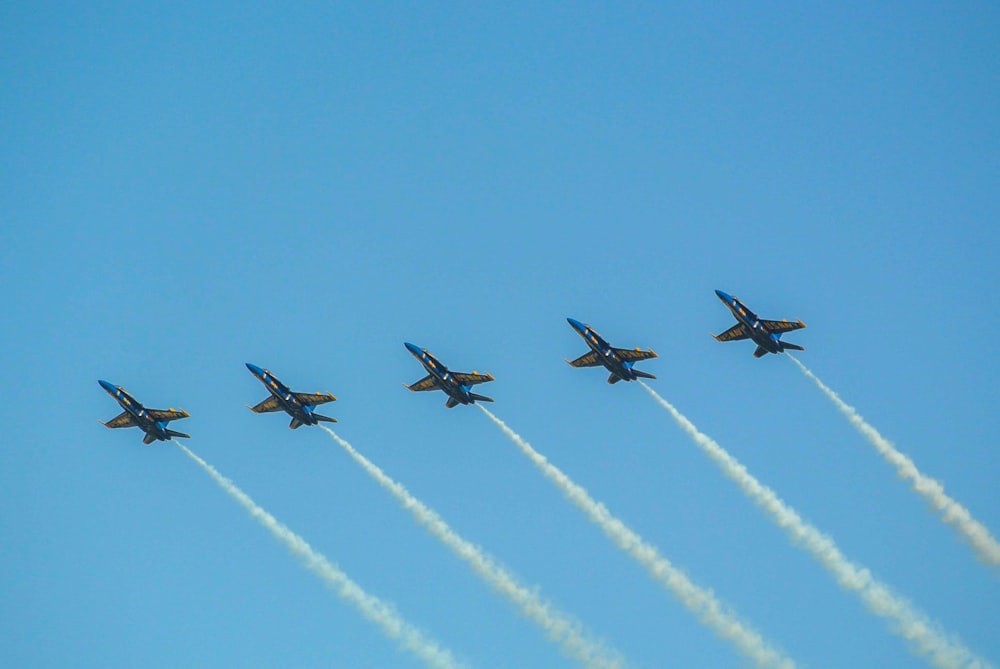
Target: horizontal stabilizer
[
  {"x": 760, "y": 352},
  {"x": 174, "y": 433},
  {"x": 295, "y": 424},
  {"x": 644, "y": 375},
  {"x": 795, "y": 347},
  {"x": 480, "y": 398},
  {"x": 614, "y": 378},
  {"x": 149, "y": 438},
  {"x": 451, "y": 403},
  {"x": 324, "y": 419}
]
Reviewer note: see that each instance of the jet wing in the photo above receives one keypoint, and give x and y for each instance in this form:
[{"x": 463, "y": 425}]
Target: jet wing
[
  {"x": 160, "y": 415},
  {"x": 426, "y": 383},
  {"x": 312, "y": 399},
  {"x": 465, "y": 379},
  {"x": 270, "y": 404},
  {"x": 124, "y": 419},
  {"x": 586, "y": 360},
  {"x": 734, "y": 333},
  {"x": 783, "y": 326},
  {"x": 634, "y": 354}
]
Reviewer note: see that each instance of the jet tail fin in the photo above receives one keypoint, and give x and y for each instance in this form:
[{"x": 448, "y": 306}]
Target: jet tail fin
[
  {"x": 174, "y": 433},
  {"x": 481, "y": 398},
  {"x": 795, "y": 347},
  {"x": 643, "y": 375},
  {"x": 324, "y": 419}
]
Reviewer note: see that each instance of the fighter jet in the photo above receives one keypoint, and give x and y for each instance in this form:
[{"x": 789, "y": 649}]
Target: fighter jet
[
  {"x": 457, "y": 385},
  {"x": 766, "y": 334},
  {"x": 300, "y": 406},
  {"x": 151, "y": 421},
  {"x": 619, "y": 361}
]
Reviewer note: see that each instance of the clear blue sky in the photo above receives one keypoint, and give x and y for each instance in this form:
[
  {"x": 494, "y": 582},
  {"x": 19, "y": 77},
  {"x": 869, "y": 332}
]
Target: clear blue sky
[{"x": 188, "y": 189}]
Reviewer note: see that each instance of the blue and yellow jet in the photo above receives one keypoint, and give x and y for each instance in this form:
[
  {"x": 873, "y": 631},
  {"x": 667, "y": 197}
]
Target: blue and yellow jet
[
  {"x": 300, "y": 406},
  {"x": 457, "y": 385},
  {"x": 766, "y": 334},
  {"x": 151, "y": 421},
  {"x": 618, "y": 361}
]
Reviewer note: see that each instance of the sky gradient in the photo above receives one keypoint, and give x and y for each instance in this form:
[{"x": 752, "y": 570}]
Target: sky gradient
[{"x": 187, "y": 189}]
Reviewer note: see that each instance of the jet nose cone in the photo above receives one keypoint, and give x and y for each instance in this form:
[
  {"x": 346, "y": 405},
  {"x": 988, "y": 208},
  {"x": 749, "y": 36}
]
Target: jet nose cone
[
  {"x": 108, "y": 386},
  {"x": 255, "y": 370},
  {"x": 577, "y": 325},
  {"x": 723, "y": 296},
  {"x": 413, "y": 348}
]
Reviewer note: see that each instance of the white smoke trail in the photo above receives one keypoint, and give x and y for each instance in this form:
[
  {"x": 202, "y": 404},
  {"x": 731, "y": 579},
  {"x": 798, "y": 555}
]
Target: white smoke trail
[
  {"x": 371, "y": 607},
  {"x": 924, "y": 637},
  {"x": 986, "y": 547},
  {"x": 558, "y": 626},
  {"x": 702, "y": 603}
]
